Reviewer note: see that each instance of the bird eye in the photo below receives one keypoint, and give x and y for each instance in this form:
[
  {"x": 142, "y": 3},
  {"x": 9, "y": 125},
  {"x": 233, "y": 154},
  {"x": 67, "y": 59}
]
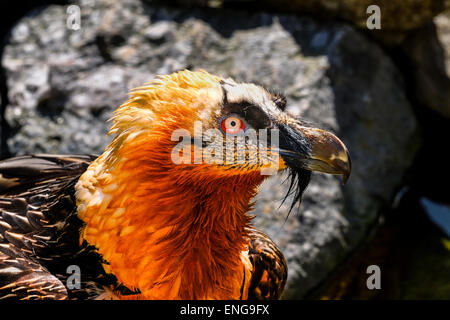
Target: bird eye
[{"x": 232, "y": 125}]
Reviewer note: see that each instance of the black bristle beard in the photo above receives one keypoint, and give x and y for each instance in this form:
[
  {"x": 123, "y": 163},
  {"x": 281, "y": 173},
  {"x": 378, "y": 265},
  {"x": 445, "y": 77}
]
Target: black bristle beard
[
  {"x": 299, "y": 180},
  {"x": 293, "y": 148}
]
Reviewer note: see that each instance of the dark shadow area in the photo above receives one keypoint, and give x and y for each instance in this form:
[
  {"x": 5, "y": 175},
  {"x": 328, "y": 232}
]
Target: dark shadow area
[
  {"x": 428, "y": 176},
  {"x": 412, "y": 253},
  {"x": 221, "y": 20}
]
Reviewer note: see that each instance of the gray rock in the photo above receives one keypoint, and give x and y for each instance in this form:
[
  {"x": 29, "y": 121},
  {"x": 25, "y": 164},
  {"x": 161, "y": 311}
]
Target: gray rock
[{"x": 63, "y": 84}]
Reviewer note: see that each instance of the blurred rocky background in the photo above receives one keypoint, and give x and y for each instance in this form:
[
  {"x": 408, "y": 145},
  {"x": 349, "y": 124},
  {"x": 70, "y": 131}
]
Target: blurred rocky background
[{"x": 385, "y": 92}]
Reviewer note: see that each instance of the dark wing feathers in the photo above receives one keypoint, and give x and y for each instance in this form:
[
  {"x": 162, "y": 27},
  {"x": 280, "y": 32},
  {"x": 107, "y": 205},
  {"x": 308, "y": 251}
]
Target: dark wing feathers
[
  {"x": 16, "y": 172},
  {"x": 26, "y": 279},
  {"x": 269, "y": 268},
  {"x": 36, "y": 201}
]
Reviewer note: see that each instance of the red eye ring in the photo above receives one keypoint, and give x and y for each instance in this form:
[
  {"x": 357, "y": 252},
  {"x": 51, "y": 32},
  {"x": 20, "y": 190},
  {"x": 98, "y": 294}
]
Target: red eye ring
[{"x": 232, "y": 124}]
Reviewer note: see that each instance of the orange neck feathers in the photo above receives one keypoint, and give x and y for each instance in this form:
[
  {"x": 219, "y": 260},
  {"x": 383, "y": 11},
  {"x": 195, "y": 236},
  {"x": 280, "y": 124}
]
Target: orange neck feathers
[{"x": 168, "y": 237}]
